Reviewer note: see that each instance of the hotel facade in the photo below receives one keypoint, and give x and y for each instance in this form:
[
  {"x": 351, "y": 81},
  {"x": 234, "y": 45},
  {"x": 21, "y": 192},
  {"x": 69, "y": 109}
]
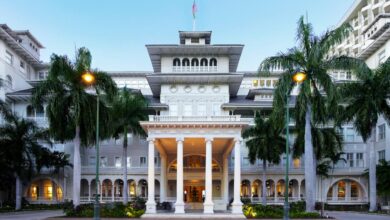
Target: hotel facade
[{"x": 194, "y": 155}]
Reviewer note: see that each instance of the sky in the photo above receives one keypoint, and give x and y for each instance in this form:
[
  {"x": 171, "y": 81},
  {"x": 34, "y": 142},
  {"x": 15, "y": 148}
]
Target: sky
[{"x": 116, "y": 31}]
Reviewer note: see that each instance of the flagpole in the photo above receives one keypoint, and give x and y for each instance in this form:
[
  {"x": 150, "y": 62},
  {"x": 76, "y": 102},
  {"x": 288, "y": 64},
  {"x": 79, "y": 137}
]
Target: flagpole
[{"x": 193, "y": 24}]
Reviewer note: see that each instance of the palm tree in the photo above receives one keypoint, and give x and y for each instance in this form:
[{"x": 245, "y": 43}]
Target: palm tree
[
  {"x": 265, "y": 142},
  {"x": 71, "y": 109},
  {"x": 128, "y": 109},
  {"x": 366, "y": 101},
  {"x": 19, "y": 146},
  {"x": 317, "y": 93}
]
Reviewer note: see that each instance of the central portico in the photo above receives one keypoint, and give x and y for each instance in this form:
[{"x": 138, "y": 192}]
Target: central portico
[
  {"x": 192, "y": 133},
  {"x": 194, "y": 160}
]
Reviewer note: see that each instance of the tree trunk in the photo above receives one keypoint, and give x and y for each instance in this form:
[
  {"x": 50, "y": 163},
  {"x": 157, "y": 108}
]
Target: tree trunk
[
  {"x": 309, "y": 163},
  {"x": 124, "y": 157},
  {"x": 264, "y": 186},
  {"x": 76, "y": 168},
  {"x": 18, "y": 189},
  {"x": 372, "y": 172}
]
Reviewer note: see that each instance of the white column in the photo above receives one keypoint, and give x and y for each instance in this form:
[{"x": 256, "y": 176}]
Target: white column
[
  {"x": 208, "y": 205},
  {"x": 179, "y": 205},
  {"x": 226, "y": 179},
  {"x": 163, "y": 180},
  {"x": 89, "y": 191},
  {"x": 299, "y": 190},
  {"x": 151, "y": 203},
  {"x": 112, "y": 190},
  {"x": 237, "y": 204}
]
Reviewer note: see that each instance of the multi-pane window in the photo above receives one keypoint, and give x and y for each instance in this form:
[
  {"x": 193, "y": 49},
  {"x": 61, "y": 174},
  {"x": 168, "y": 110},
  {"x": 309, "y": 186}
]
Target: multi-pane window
[
  {"x": 245, "y": 161},
  {"x": 128, "y": 161},
  {"x": 142, "y": 161},
  {"x": 381, "y": 132},
  {"x": 118, "y": 162},
  {"x": 349, "y": 75},
  {"x": 359, "y": 160},
  {"x": 381, "y": 155},
  {"x": 9, "y": 58},
  {"x": 216, "y": 109},
  {"x": 381, "y": 57},
  {"x": 349, "y": 134},
  {"x": 157, "y": 161},
  {"x": 103, "y": 161},
  {"x": 187, "y": 111},
  {"x": 173, "y": 110},
  {"x": 350, "y": 159},
  {"x": 255, "y": 83},
  {"x": 202, "y": 110},
  {"x": 91, "y": 161}
]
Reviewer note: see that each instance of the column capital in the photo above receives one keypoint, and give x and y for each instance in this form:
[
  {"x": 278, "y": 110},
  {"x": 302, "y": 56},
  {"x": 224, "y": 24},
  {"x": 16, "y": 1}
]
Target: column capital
[
  {"x": 238, "y": 140},
  {"x": 207, "y": 139},
  {"x": 151, "y": 139},
  {"x": 179, "y": 139}
]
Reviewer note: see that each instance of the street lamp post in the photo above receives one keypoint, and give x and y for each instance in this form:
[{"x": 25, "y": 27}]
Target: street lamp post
[
  {"x": 298, "y": 77},
  {"x": 89, "y": 79}
]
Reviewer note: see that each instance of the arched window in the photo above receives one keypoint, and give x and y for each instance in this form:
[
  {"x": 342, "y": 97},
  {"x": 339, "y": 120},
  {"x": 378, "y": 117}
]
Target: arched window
[
  {"x": 203, "y": 62},
  {"x": 176, "y": 62},
  {"x": 30, "y": 111},
  {"x": 194, "y": 62},
  {"x": 186, "y": 62},
  {"x": 40, "y": 112},
  {"x": 8, "y": 82},
  {"x": 213, "y": 62}
]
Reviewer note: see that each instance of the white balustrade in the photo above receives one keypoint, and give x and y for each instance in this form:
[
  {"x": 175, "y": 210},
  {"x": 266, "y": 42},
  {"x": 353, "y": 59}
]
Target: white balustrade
[{"x": 166, "y": 118}]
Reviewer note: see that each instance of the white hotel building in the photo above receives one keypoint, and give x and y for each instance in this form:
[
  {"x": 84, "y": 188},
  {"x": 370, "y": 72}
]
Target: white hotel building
[{"x": 194, "y": 155}]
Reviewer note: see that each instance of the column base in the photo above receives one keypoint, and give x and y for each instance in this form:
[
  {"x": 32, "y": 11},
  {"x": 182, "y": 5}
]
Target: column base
[
  {"x": 179, "y": 208},
  {"x": 237, "y": 208},
  {"x": 151, "y": 207},
  {"x": 208, "y": 207}
]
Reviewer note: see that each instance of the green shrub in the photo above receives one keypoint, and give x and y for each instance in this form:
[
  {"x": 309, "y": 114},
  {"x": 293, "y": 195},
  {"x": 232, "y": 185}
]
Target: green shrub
[
  {"x": 111, "y": 210},
  {"x": 276, "y": 211}
]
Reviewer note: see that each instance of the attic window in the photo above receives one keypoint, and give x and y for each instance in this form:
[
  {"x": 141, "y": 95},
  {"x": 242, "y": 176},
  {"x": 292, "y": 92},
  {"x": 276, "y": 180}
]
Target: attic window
[{"x": 195, "y": 40}]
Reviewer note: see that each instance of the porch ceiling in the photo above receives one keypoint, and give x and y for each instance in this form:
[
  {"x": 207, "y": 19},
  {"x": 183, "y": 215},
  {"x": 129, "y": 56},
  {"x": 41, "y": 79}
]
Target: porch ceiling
[{"x": 195, "y": 145}]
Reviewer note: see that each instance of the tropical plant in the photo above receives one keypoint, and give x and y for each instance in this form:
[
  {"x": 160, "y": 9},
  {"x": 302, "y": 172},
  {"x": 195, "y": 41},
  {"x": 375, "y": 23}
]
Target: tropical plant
[
  {"x": 71, "y": 110},
  {"x": 128, "y": 109},
  {"x": 317, "y": 94},
  {"x": 366, "y": 100},
  {"x": 20, "y": 143},
  {"x": 265, "y": 142},
  {"x": 383, "y": 177}
]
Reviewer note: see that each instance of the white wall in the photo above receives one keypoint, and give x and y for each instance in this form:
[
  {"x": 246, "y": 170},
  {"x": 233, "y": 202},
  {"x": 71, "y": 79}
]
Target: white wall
[{"x": 195, "y": 95}]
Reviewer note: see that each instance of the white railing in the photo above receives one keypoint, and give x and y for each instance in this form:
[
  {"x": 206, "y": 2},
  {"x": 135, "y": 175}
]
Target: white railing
[
  {"x": 43, "y": 200},
  {"x": 378, "y": 26},
  {"x": 41, "y": 121},
  {"x": 163, "y": 118},
  {"x": 346, "y": 199},
  {"x": 181, "y": 69}
]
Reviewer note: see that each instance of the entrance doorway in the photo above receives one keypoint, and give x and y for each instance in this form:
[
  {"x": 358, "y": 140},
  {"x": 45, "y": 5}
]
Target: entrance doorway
[{"x": 194, "y": 191}]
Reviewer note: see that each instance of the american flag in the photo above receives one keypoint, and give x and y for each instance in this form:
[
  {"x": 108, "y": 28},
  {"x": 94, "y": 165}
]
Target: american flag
[{"x": 194, "y": 9}]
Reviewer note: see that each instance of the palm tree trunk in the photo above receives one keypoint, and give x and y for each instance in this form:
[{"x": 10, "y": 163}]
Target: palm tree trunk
[
  {"x": 372, "y": 172},
  {"x": 309, "y": 163},
  {"x": 18, "y": 189},
  {"x": 124, "y": 156},
  {"x": 264, "y": 180},
  {"x": 76, "y": 168}
]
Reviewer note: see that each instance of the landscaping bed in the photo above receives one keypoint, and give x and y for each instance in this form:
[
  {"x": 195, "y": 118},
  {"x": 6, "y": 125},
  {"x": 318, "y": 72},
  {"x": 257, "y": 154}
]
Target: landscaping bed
[{"x": 297, "y": 211}]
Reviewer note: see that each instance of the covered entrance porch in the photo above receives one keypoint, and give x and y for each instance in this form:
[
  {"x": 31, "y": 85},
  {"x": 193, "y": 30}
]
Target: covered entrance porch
[{"x": 194, "y": 164}]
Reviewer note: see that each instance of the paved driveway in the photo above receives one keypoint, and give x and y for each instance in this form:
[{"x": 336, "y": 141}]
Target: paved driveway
[
  {"x": 31, "y": 215},
  {"x": 356, "y": 216}
]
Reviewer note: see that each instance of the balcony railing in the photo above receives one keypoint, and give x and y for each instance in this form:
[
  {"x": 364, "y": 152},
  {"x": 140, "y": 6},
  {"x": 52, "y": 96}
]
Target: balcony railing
[
  {"x": 378, "y": 26},
  {"x": 197, "y": 69},
  {"x": 223, "y": 118},
  {"x": 43, "y": 200}
]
